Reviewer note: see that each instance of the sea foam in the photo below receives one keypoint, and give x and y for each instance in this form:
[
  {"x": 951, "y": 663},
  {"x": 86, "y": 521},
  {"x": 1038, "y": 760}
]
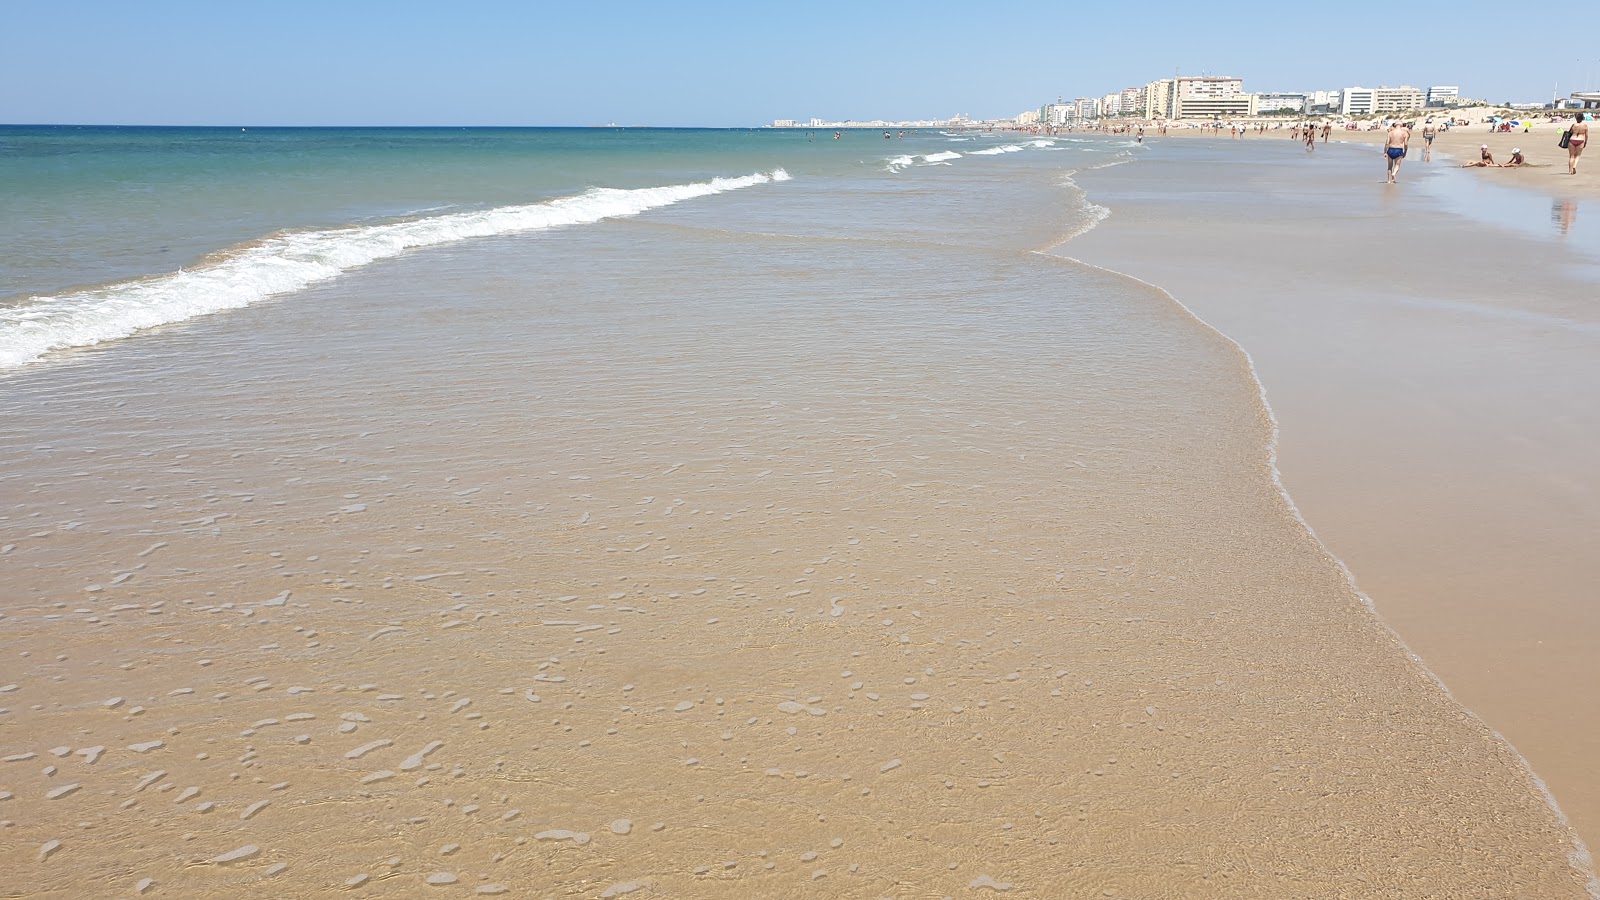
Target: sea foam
[
  {"x": 901, "y": 163},
  {"x": 291, "y": 261},
  {"x": 1040, "y": 144}
]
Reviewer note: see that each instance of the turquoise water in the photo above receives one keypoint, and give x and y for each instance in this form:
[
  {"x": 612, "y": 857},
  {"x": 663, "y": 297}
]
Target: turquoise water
[{"x": 112, "y": 230}]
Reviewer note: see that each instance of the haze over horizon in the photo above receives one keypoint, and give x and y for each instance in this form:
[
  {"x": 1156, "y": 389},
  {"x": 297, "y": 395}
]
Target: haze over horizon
[{"x": 712, "y": 63}]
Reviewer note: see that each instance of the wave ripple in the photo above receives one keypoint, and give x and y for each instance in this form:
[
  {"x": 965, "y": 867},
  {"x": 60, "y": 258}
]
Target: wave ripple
[{"x": 292, "y": 261}]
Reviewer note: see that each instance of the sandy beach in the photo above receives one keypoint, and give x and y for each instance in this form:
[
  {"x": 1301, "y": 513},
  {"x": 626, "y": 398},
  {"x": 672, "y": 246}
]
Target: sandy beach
[
  {"x": 1547, "y": 163},
  {"x": 836, "y": 537},
  {"x": 1435, "y": 428}
]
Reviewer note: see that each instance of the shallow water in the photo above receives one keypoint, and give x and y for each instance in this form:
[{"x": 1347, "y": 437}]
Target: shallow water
[{"x": 820, "y": 536}]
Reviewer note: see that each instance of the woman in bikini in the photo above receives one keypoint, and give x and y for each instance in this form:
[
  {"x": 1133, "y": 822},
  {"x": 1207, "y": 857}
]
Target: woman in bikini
[{"x": 1576, "y": 142}]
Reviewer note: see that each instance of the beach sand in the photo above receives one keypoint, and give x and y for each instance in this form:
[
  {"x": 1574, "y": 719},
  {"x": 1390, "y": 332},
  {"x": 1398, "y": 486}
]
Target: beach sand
[
  {"x": 1547, "y": 169},
  {"x": 1546, "y": 172},
  {"x": 1431, "y": 378},
  {"x": 895, "y": 568}
]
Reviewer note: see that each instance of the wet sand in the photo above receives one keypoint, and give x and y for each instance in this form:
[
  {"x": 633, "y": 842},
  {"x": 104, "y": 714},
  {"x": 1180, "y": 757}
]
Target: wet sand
[
  {"x": 974, "y": 581},
  {"x": 1432, "y": 382}
]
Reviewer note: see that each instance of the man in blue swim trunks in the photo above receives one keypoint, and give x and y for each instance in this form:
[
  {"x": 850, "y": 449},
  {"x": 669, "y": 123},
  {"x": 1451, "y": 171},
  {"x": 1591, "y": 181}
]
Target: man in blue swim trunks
[{"x": 1395, "y": 148}]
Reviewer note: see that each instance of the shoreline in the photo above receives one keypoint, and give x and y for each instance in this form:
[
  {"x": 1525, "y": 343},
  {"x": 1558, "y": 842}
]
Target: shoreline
[
  {"x": 857, "y": 553},
  {"x": 1229, "y": 299},
  {"x": 1580, "y": 856}
]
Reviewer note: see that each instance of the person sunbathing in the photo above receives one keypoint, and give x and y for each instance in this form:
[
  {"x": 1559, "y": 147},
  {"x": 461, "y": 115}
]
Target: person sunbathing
[{"x": 1485, "y": 159}]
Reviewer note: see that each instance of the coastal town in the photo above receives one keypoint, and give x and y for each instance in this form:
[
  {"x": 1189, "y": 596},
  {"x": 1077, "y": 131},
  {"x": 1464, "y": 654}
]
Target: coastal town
[{"x": 1199, "y": 99}]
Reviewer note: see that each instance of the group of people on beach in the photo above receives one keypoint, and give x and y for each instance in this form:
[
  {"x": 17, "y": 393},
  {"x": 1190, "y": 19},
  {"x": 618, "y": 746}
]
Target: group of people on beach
[
  {"x": 1574, "y": 139},
  {"x": 1308, "y": 131},
  {"x": 1486, "y": 160}
]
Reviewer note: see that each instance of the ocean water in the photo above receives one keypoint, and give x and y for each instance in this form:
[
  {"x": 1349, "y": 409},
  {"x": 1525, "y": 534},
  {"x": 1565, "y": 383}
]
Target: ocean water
[
  {"x": 111, "y": 230},
  {"x": 714, "y": 514}
]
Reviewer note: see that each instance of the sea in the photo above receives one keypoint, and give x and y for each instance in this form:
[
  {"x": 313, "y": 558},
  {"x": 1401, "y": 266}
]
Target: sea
[
  {"x": 112, "y": 231},
  {"x": 674, "y": 512}
]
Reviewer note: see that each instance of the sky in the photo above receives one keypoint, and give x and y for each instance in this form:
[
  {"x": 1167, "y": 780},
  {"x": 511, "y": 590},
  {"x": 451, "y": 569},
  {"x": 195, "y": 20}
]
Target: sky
[{"x": 714, "y": 63}]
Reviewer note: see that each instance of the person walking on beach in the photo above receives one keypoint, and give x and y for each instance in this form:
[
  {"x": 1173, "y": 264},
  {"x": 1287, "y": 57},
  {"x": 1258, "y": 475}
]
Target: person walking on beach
[
  {"x": 1429, "y": 132},
  {"x": 1395, "y": 148},
  {"x": 1577, "y": 139},
  {"x": 1311, "y": 135}
]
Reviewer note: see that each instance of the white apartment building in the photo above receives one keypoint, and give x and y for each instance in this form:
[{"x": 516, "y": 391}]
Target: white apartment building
[
  {"x": 1319, "y": 102},
  {"x": 1271, "y": 102},
  {"x": 1359, "y": 101},
  {"x": 1087, "y": 107},
  {"x": 1356, "y": 101},
  {"x": 1401, "y": 99},
  {"x": 1444, "y": 95},
  {"x": 1057, "y": 114},
  {"x": 1156, "y": 100},
  {"x": 1030, "y": 117},
  {"x": 1111, "y": 105},
  {"x": 1131, "y": 101},
  {"x": 1210, "y": 97}
]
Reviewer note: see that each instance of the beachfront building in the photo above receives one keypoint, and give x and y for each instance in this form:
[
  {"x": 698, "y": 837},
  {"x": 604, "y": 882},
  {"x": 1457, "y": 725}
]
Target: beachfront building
[
  {"x": 1589, "y": 99},
  {"x": 1111, "y": 105},
  {"x": 1444, "y": 95},
  {"x": 1321, "y": 103},
  {"x": 1401, "y": 99},
  {"x": 1030, "y": 117},
  {"x": 1088, "y": 108},
  {"x": 1210, "y": 97},
  {"x": 1356, "y": 101},
  {"x": 1131, "y": 101},
  {"x": 1272, "y": 102},
  {"x": 1057, "y": 114},
  {"x": 1155, "y": 101},
  {"x": 1360, "y": 101}
]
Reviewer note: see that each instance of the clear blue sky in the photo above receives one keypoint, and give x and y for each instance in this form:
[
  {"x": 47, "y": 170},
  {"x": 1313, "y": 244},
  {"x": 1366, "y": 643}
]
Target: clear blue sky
[{"x": 708, "y": 62}]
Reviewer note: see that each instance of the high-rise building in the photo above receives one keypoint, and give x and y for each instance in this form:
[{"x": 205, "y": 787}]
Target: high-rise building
[
  {"x": 1156, "y": 100},
  {"x": 1111, "y": 105},
  {"x": 1130, "y": 101},
  {"x": 1088, "y": 108},
  {"x": 1357, "y": 101},
  {"x": 1210, "y": 97}
]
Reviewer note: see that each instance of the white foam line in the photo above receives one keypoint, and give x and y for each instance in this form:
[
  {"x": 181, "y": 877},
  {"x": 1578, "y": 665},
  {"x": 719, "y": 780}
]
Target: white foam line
[
  {"x": 293, "y": 261},
  {"x": 1579, "y": 858}
]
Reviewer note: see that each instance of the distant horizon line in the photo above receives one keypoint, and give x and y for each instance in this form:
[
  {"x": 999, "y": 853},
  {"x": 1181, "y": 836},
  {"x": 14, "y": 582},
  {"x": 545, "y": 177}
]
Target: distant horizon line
[{"x": 768, "y": 126}]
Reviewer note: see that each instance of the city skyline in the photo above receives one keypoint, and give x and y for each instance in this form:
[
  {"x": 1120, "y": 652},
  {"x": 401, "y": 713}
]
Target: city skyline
[{"x": 711, "y": 63}]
